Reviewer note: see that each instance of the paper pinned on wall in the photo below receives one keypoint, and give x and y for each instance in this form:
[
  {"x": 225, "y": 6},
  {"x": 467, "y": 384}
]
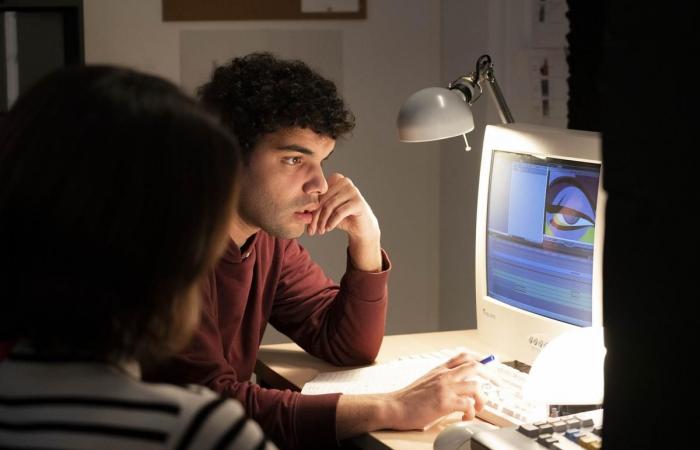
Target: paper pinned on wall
[
  {"x": 549, "y": 23},
  {"x": 327, "y": 6},
  {"x": 549, "y": 91}
]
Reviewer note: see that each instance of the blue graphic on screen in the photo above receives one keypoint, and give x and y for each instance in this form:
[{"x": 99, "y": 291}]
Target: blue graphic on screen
[{"x": 541, "y": 228}]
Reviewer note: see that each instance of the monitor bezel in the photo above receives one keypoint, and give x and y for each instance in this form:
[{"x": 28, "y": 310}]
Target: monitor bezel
[{"x": 514, "y": 333}]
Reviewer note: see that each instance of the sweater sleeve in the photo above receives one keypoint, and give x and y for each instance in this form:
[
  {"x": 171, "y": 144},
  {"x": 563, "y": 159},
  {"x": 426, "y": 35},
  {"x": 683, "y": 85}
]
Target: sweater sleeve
[
  {"x": 290, "y": 420},
  {"x": 222, "y": 424},
  {"x": 342, "y": 324}
]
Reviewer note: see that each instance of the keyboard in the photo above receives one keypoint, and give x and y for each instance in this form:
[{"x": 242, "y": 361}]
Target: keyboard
[
  {"x": 502, "y": 388},
  {"x": 572, "y": 432}
]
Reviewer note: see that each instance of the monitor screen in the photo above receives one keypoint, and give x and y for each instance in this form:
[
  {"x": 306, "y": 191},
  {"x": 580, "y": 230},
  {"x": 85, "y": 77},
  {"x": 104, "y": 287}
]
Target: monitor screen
[{"x": 540, "y": 235}]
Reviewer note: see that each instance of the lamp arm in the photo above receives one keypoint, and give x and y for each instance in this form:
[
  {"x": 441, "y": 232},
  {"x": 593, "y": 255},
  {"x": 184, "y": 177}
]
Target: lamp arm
[
  {"x": 470, "y": 87},
  {"x": 503, "y": 110}
]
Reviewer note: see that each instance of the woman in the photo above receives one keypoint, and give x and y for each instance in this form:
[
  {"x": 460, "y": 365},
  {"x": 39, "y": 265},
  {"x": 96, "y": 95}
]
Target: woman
[{"x": 115, "y": 194}]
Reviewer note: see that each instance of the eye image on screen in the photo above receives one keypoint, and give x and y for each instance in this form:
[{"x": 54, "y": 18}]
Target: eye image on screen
[
  {"x": 541, "y": 227},
  {"x": 570, "y": 206}
]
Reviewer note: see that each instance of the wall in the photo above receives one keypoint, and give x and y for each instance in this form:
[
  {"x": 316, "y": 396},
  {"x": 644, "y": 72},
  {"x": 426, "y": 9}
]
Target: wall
[
  {"x": 386, "y": 57},
  {"x": 465, "y": 37}
]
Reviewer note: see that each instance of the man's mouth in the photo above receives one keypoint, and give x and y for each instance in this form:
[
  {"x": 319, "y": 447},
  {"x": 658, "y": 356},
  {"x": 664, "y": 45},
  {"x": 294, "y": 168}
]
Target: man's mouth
[
  {"x": 305, "y": 215},
  {"x": 309, "y": 209}
]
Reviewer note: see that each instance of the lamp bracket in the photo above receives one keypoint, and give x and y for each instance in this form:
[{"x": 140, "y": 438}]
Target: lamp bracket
[{"x": 471, "y": 87}]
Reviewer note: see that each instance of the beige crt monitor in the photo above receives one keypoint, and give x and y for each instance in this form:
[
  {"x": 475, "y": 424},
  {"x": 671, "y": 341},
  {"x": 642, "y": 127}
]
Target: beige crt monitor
[{"x": 539, "y": 237}]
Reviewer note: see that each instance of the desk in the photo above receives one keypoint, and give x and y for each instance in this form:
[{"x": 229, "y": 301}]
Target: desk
[{"x": 287, "y": 366}]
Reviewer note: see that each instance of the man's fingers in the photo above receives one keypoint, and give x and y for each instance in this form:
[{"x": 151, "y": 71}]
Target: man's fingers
[
  {"x": 465, "y": 404},
  {"x": 334, "y": 186},
  {"x": 478, "y": 400},
  {"x": 458, "y": 360},
  {"x": 334, "y": 178},
  {"x": 471, "y": 390},
  {"x": 313, "y": 226},
  {"x": 328, "y": 204},
  {"x": 463, "y": 372},
  {"x": 476, "y": 404},
  {"x": 341, "y": 212},
  {"x": 342, "y": 193}
]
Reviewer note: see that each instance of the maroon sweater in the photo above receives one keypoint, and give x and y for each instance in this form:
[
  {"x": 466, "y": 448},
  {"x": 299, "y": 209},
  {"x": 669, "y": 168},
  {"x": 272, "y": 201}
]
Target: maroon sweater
[{"x": 275, "y": 281}]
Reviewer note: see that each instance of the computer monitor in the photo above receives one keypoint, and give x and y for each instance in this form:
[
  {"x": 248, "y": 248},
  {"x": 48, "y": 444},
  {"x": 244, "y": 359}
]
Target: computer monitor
[{"x": 539, "y": 237}]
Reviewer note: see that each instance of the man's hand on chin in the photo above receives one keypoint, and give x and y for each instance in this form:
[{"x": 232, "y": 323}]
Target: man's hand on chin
[{"x": 344, "y": 208}]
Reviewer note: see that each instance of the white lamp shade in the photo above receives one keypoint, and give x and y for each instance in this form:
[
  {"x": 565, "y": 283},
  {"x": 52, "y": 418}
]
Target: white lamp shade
[
  {"x": 434, "y": 113},
  {"x": 569, "y": 370}
]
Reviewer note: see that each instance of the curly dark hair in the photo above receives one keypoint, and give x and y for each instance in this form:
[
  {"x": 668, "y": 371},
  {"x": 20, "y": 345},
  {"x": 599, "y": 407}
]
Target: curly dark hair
[{"x": 259, "y": 94}]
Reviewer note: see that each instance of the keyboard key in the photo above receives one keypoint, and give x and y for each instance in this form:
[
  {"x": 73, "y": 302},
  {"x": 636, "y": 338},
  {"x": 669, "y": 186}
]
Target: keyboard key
[
  {"x": 559, "y": 426},
  {"x": 546, "y": 428},
  {"x": 573, "y": 435},
  {"x": 573, "y": 423},
  {"x": 590, "y": 442},
  {"x": 585, "y": 439},
  {"x": 586, "y": 422},
  {"x": 547, "y": 440},
  {"x": 544, "y": 437},
  {"x": 529, "y": 430}
]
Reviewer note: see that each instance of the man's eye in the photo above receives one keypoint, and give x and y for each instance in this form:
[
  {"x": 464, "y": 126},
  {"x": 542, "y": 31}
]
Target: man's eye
[{"x": 292, "y": 160}]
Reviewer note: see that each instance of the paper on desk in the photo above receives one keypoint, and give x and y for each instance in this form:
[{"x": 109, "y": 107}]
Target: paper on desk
[
  {"x": 368, "y": 380},
  {"x": 380, "y": 378}
]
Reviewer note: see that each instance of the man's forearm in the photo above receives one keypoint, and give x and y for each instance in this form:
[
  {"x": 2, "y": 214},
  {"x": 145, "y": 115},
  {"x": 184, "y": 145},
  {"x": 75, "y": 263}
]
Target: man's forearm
[
  {"x": 357, "y": 414},
  {"x": 366, "y": 255}
]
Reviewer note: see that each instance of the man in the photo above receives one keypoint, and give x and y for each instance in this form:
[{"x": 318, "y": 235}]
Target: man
[{"x": 287, "y": 119}]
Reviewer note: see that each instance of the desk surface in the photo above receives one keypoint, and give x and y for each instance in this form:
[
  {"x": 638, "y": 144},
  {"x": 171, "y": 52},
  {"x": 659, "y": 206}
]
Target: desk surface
[{"x": 287, "y": 366}]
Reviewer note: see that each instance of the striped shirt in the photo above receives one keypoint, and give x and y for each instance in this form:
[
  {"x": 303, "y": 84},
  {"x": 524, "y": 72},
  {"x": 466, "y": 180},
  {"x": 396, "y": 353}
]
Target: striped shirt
[{"x": 80, "y": 405}]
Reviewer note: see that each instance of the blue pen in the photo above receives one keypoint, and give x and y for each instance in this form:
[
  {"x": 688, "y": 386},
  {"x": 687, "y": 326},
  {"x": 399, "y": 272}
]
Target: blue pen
[{"x": 488, "y": 359}]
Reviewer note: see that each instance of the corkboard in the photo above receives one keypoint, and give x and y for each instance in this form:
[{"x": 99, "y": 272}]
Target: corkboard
[{"x": 184, "y": 10}]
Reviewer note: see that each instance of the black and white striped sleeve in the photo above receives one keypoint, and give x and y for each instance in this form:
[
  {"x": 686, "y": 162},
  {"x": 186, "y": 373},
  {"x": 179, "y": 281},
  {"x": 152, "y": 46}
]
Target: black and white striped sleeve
[{"x": 221, "y": 424}]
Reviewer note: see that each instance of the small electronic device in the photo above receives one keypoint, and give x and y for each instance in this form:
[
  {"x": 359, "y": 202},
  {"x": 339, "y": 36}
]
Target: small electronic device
[{"x": 571, "y": 432}]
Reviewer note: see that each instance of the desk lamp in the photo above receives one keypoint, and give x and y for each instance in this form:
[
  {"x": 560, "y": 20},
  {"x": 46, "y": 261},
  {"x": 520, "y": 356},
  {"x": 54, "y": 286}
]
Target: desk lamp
[
  {"x": 569, "y": 370},
  {"x": 438, "y": 113}
]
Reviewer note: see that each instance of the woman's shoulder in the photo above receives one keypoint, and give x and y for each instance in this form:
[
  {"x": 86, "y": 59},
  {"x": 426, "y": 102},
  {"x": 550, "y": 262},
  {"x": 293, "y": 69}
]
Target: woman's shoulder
[{"x": 209, "y": 420}]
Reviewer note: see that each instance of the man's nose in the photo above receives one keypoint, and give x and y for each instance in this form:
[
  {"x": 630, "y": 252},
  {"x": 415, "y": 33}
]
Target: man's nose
[{"x": 317, "y": 184}]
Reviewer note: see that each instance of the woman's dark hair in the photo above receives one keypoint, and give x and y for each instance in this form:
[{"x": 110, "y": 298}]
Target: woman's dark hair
[
  {"x": 259, "y": 94},
  {"x": 115, "y": 195}
]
